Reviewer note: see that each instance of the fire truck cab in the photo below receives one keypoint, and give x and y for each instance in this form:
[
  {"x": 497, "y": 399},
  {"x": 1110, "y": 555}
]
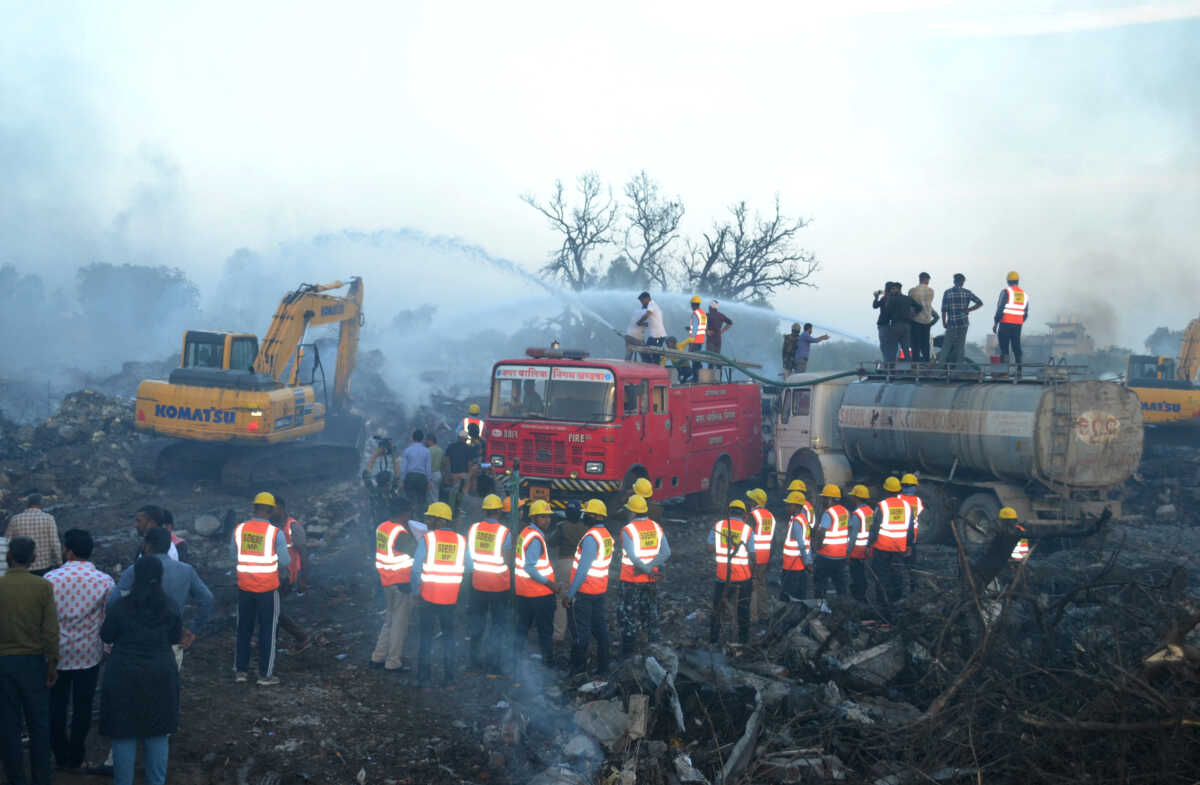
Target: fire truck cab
[{"x": 577, "y": 428}]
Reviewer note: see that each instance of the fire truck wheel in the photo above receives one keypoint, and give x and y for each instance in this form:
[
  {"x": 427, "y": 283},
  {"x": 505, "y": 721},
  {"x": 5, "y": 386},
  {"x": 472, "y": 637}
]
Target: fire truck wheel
[{"x": 717, "y": 495}]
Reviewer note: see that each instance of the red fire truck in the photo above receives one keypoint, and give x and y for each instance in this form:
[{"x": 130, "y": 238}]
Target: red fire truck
[{"x": 578, "y": 428}]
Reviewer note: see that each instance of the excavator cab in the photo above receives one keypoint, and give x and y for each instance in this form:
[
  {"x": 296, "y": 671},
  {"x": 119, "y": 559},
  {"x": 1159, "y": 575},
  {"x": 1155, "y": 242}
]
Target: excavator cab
[
  {"x": 223, "y": 350},
  {"x": 1147, "y": 370}
]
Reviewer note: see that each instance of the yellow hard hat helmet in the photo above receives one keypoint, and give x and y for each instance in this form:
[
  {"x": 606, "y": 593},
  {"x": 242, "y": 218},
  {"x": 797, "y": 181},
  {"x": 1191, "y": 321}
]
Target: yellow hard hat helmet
[
  {"x": 636, "y": 504},
  {"x": 831, "y": 491},
  {"x": 909, "y": 479},
  {"x": 539, "y": 507},
  {"x": 737, "y": 504},
  {"x": 596, "y": 507},
  {"x": 492, "y": 502},
  {"x": 1012, "y": 276},
  {"x": 440, "y": 510},
  {"x": 860, "y": 492},
  {"x": 797, "y": 485},
  {"x": 695, "y": 299},
  {"x": 795, "y": 497},
  {"x": 1008, "y": 514},
  {"x": 473, "y": 409},
  {"x": 757, "y": 495},
  {"x": 265, "y": 499},
  {"x": 891, "y": 485},
  {"x": 643, "y": 488}
]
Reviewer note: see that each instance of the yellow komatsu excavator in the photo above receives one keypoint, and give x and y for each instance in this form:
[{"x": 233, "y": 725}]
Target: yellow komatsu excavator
[
  {"x": 1167, "y": 386},
  {"x": 258, "y": 415}
]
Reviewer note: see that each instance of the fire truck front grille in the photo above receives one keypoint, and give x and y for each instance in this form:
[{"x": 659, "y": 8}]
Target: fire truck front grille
[{"x": 543, "y": 456}]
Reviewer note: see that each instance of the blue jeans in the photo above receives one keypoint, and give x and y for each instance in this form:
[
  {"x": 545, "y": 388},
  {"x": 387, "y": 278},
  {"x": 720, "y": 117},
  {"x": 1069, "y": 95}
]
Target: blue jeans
[{"x": 125, "y": 753}]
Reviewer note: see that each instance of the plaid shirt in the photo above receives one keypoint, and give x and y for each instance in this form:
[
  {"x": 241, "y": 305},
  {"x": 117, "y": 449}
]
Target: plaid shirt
[
  {"x": 955, "y": 302},
  {"x": 41, "y": 527}
]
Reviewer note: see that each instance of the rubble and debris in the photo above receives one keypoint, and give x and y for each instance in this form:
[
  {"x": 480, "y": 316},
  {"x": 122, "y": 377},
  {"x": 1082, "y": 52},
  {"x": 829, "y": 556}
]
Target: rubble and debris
[{"x": 604, "y": 720}]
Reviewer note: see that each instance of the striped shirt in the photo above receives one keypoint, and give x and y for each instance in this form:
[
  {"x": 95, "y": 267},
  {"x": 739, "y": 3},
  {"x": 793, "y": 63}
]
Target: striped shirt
[{"x": 39, "y": 526}]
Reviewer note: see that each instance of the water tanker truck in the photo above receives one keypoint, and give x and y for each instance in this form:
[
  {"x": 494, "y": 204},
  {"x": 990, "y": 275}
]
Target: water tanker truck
[{"x": 1054, "y": 447}]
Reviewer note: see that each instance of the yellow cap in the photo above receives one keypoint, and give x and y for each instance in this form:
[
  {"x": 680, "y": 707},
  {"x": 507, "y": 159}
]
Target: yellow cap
[
  {"x": 473, "y": 409},
  {"x": 636, "y": 504},
  {"x": 1008, "y": 514},
  {"x": 1013, "y": 277},
  {"x": 539, "y": 507},
  {"x": 596, "y": 507},
  {"x": 831, "y": 491},
  {"x": 795, "y": 497},
  {"x": 757, "y": 495},
  {"x": 891, "y": 485},
  {"x": 695, "y": 298},
  {"x": 860, "y": 492},
  {"x": 909, "y": 479},
  {"x": 737, "y": 504},
  {"x": 440, "y": 510},
  {"x": 643, "y": 488},
  {"x": 797, "y": 485},
  {"x": 492, "y": 502},
  {"x": 265, "y": 499}
]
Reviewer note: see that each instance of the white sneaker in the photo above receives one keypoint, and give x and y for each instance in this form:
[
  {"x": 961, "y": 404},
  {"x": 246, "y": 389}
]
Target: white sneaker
[
  {"x": 267, "y": 681},
  {"x": 240, "y": 676}
]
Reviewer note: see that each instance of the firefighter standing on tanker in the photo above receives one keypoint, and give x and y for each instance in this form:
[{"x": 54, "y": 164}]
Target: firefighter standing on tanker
[
  {"x": 860, "y": 522},
  {"x": 697, "y": 335},
  {"x": 1012, "y": 311},
  {"x": 440, "y": 565},
  {"x": 490, "y": 545},
  {"x": 395, "y": 544},
  {"x": 764, "y": 535},
  {"x": 260, "y": 551},
  {"x": 797, "y": 546},
  {"x": 587, "y": 615},
  {"x": 534, "y": 584},
  {"x": 731, "y": 541},
  {"x": 644, "y": 549},
  {"x": 831, "y": 544}
]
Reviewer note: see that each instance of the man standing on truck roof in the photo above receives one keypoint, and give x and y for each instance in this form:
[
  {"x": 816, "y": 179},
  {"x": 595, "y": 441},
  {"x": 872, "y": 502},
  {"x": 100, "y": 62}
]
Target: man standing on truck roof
[
  {"x": 861, "y": 520},
  {"x": 922, "y": 322},
  {"x": 797, "y": 547},
  {"x": 831, "y": 544},
  {"x": 957, "y": 303},
  {"x": 718, "y": 323},
  {"x": 697, "y": 335},
  {"x": 1012, "y": 311},
  {"x": 731, "y": 541},
  {"x": 899, "y": 309},
  {"x": 890, "y": 540},
  {"x": 804, "y": 344},
  {"x": 644, "y": 549},
  {"x": 764, "y": 536},
  {"x": 652, "y": 321}
]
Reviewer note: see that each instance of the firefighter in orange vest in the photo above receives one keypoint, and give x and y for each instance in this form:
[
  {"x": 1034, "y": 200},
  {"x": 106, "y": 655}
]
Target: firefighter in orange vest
[
  {"x": 891, "y": 538},
  {"x": 908, "y": 492},
  {"x": 489, "y": 544},
  {"x": 472, "y": 418},
  {"x": 831, "y": 544},
  {"x": 1012, "y": 311},
  {"x": 1020, "y": 551},
  {"x": 860, "y": 521},
  {"x": 440, "y": 565},
  {"x": 260, "y": 550},
  {"x": 587, "y": 615},
  {"x": 797, "y": 547},
  {"x": 731, "y": 541},
  {"x": 764, "y": 535},
  {"x": 697, "y": 335},
  {"x": 799, "y": 485},
  {"x": 644, "y": 549},
  {"x": 534, "y": 584},
  {"x": 395, "y": 544}
]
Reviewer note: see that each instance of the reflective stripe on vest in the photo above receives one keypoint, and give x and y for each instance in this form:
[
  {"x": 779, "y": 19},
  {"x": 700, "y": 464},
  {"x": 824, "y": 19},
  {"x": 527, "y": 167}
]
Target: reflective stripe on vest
[
  {"x": 733, "y": 538},
  {"x": 764, "y": 533},
  {"x": 699, "y": 325},
  {"x": 596, "y": 581},
  {"x": 466, "y": 423},
  {"x": 393, "y": 567},
  {"x": 836, "y": 543},
  {"x": 917, "y": 506},
  {"x": 793, "y": 554},
  {"x": 646, "y": 536},
  {"x": 894, "y": 517},
  {"x": 527, "y": 586},
  {"x": 1021, "y": 552},
  {"x": 1014, "y": 308},
  {"x": 485, "y": 542},
  {"x": 444, "y": 566},
  {"x": 257, "y": 563},
  {"x": 865, "y": 518}
]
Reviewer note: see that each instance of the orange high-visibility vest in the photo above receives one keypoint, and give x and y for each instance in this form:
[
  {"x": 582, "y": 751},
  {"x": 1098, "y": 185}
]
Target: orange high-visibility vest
[
  {"x": 466, "y": 422},
  {"x": 865, "y": 519},
  {"x": 485, "y": 542},
  {"x": 836, "y": 543},
  {"x": 596, "y": 581},
  {"x": 527, "y": 586},
  {"x": 647, "y": 537},
  {"x": 1021, "y": 552},
  {"x": 393, "y": 567},
  {"x": 793, "y": 553},
  {"x": 731, "y": 548},
  {"x": 444, "y": 566},
  {"x": 895, "y": 516},
  {"x": 917, "y": 506},
  {"x": 1014, "y": 309},
  {"x": 257, "y": 563},
  {"x": 764, "y": 534},
  {"x": 699, "y": 325}
]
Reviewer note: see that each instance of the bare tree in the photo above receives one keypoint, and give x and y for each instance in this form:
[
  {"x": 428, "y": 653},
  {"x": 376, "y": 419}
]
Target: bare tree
[
  {"x": 653, "y": 227},
  {"x": 584, "y": 228},
  {"x": 749, "y": 257}
]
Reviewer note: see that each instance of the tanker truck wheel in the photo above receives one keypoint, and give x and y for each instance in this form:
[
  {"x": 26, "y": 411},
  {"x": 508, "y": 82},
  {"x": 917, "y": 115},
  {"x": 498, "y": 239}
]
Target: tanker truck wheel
[{"x": 979, "y": 519}]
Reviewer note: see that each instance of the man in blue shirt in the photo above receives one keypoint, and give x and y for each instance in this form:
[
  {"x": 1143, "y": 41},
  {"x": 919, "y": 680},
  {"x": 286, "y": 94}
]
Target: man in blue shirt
[
  {"x": 804, "y": 342},
  {"x": 416, "y": 471}
]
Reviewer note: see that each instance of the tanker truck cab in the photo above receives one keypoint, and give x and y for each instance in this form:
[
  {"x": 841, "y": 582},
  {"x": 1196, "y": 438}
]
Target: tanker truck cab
[
  {"x": 576, "y": 427},
  {"x": 808, "y": 444}
]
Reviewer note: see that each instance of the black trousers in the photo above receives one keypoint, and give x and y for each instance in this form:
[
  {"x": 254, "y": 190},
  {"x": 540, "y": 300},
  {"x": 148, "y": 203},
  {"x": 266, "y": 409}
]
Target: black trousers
[
  {"x": 587, "y": 618},
  {"x": 77, "y": 689},
  {"x": 535, "y": 612},
  {"x": 795, "y": 584},
  {"x": 826, "y": 571},
  {"x": 1009, "y": 335},
  {"x": 23, "y": 693},
  {"x": 920, "y": 341},
  {"x": 889, "y": 569},
  {"x": 858, "y": 579},
  {"x": 653, "y": 359},
  {"x": 257, "y": 609},
  {"x": 416, "y": 486},
  {"x": 735, "y": 592},
  {"x": 637, "y": 613},
  {"x": 493, "y": 606},
  {"x": 427, "y": 614}
]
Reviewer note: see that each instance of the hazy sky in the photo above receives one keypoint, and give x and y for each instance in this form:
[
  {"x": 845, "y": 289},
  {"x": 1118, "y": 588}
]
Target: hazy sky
[{"x": 1061, "y": 139}]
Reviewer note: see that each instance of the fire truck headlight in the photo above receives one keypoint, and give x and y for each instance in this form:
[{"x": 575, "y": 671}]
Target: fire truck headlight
[
  {"x": 594, "y": 467},
  {"x": 498, "y": 461}
]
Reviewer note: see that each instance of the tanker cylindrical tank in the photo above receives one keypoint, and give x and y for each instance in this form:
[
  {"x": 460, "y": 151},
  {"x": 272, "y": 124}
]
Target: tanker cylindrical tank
[{"x": 1088, "y": 434}]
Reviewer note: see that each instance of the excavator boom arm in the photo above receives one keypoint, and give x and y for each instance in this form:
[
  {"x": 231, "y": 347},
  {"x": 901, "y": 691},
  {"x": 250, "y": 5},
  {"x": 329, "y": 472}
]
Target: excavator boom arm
[{"x": 1189, "y": 352}]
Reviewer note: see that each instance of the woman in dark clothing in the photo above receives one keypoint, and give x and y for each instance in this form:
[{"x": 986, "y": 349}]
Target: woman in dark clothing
[{"x": 139, "y": 698}]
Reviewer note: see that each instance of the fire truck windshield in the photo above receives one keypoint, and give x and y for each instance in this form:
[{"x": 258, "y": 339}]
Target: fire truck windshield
[{"x": 545, "y": 392}]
